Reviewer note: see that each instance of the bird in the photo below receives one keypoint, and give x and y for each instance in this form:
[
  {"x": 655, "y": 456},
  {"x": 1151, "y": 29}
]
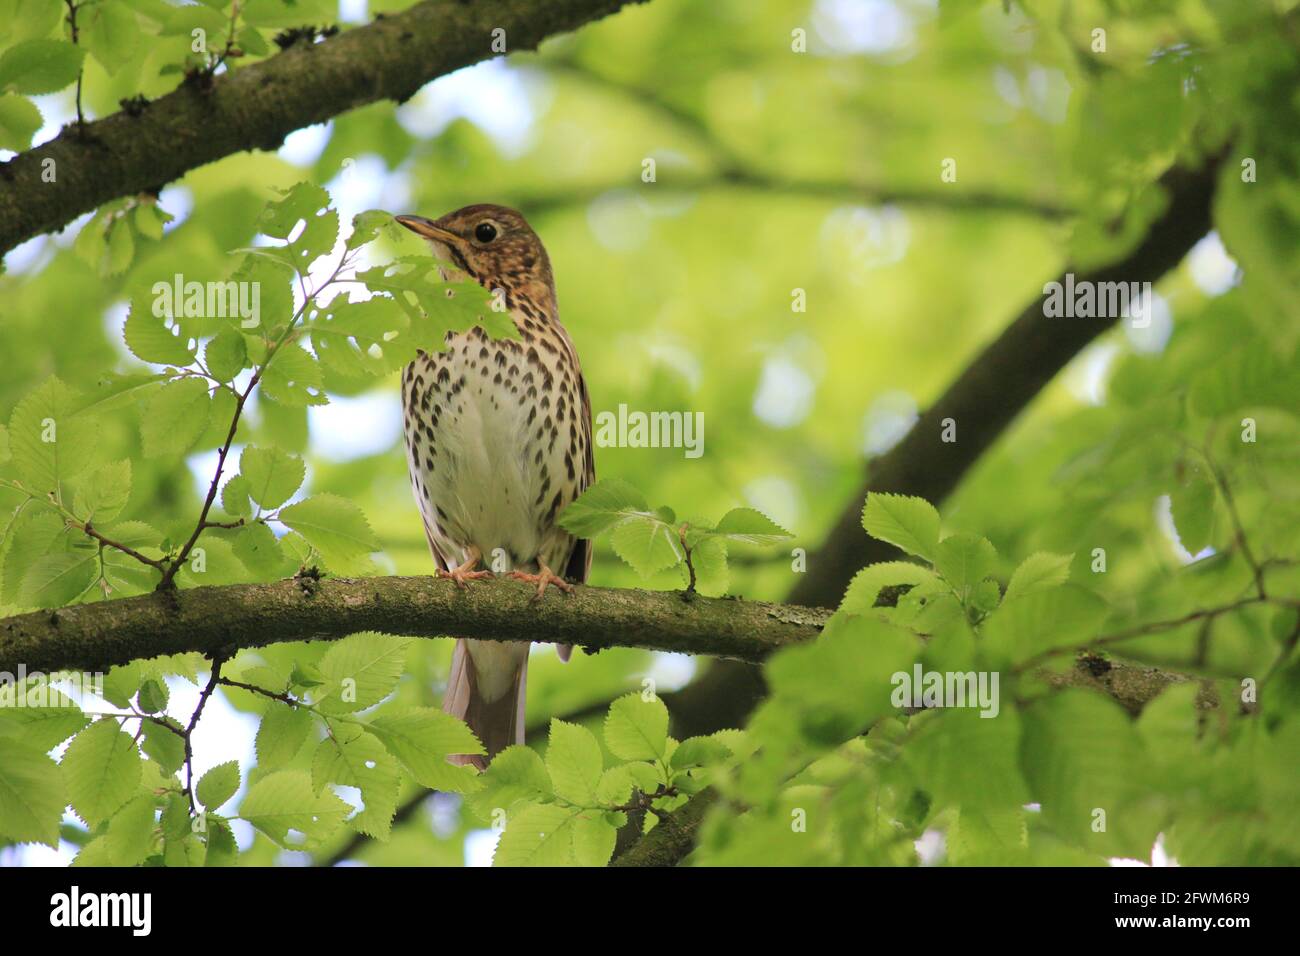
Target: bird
[{"x": 498, "y": 442}]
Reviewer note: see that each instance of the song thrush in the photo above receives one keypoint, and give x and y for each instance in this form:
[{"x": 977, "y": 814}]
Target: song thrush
[{"x": 498, "y": 442}]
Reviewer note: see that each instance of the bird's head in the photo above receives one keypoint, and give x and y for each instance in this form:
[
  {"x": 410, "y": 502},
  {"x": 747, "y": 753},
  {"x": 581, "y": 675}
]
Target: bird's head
[{"x": 493, "y": 244}]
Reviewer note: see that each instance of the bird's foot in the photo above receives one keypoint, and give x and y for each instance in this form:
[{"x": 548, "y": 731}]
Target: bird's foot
[
  {"x": 459, "y": 575},
  {"x": 544, "y": 577}
]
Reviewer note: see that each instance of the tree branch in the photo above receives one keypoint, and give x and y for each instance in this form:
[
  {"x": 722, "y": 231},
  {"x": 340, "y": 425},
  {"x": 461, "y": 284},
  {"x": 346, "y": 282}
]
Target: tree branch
[
  {"x": 257, "y": 106},
  {"x": 983, "y": 401},
  {"x": 218, "y": 620}
]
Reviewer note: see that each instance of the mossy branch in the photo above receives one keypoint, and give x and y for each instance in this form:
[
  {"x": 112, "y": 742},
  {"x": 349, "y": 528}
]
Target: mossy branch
[{"x": 256, "y": 107}]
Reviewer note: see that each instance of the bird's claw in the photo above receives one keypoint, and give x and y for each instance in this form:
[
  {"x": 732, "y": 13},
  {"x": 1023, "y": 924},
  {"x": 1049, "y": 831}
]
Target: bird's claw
[
  {"x": 543, "y": 578},
  {"x": 458, "y": 576}
]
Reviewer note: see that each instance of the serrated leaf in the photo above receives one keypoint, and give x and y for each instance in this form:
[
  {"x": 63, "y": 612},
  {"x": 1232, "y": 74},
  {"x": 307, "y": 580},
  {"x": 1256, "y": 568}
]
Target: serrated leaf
[
  {"x": 35, "y": 67},
  {"x": 130, "y": 833},
  {"x": 49, "y": 441},
  {"x": 272, "y": 475},
  {"x": 360, "y": 671},
  {"x": 1042, "y": 621},
  {"x": 284, "y": 801},
  {"x": 751, "y": 526},
  {"x": 601, "y": 507},
  {"x": 867, "y": 584},
  {"x": 422, "y": 738},
  {"x": 647, "y": 544},
  {"x": 226, "y": 355},
  {"x": 593, "y": 839},
  {"x": 258, "y": 549},
  {"x": 218, "y": 785},
  {"x": 516, "y": 773},
  {"x": 149, "y": 337},
  {"x": 293, "y": 377},
  {"x": 57, "y": 579},
  {"x": 636, "y": 729},
  {"x": 333, "y": 525},
  {"x": 964, "y": 560},
  {"x": 101, "y": 769},
  {"x": 1038, "y": 572},
  {"x": 907, "y": 522},
  {"x": 103, "y": 493},
  {"x": 361, "y": 761},
  {"x": 19, "y": 122},
  {"x": 163, "y": 746},
  {"x": 574, "y": 762},
  {"x": 32, "y": 795},
  {"x": 46, "y": 718},
  {"x": 281, "y": 734},
  {"x": 174, "y": 417},
  {"x": 540, "y": 835},
  {"x": 235, "y": 497}
]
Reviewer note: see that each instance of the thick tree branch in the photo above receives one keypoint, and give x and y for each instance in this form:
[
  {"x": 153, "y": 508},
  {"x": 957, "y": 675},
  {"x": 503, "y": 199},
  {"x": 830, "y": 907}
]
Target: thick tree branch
[
  {"x": 257, "y": 106},
  {"x": 218, "y": 620},
  {"x": 983, "y": 401}
]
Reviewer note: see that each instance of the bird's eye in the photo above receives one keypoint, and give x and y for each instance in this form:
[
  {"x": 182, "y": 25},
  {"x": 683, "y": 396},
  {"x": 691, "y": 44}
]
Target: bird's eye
[{"x": 485, "y": 232}]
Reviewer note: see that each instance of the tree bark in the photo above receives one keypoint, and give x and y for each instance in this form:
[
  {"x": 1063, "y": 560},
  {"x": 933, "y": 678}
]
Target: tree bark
[{"x": 256, "y": 106}]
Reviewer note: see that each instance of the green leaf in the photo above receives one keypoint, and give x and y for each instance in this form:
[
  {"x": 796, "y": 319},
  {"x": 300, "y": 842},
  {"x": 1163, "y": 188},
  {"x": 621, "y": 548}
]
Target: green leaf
[
  {"x": 1040, "y": 571},
  {"x": 149, "y": 336},
  {"x": 48, "y": 441},
  {"x": 574, "y": 762},
  {"x": 964, "y": 560},
  {"x": 130, "y": 833},
  {"x": 19, "y": 122},
  {"x": 1191, "y": 503},
  {"x": 32, "y": 794},
  {"x": 174, "y": 417},
  {"x": 153, "y": 696},
  {"x": 593, "y": 839},
  {"x": 540, "y": 835},
  {"x": 272, "y": 475},
  {"x": 360, "y": 671},
  {"x": 285, "y": 801},
  {"x": 748, "y": 525},
  {"x": 293, "y": 377},
  {"x": 234, "y": 497},
  {"x": 1080, "y": 754},
  {"x": 964, "y": 759},
  {"x": 1043, "y": 621},
  {"x": 516, "y": 773},
  {"x": 636, "y": 729},
  {"x": 102, "y": 495},
  {"x": 162, "y": 746},
  {"x": 360, "y": 760},
  {"x": 101, "y": 768},
  {"x": 120, "y": 251},
  {"x": 43, "y": 66},
  {"x": 46, "y": 718},
  {"x": 257, "y": 547},
  {"x": 332, "y": 525},
  {"x": 422, "y": 738},
  {"x": 867, "y": 584},
  {"x": 906, "y": 522},
  {"x": 218, "y": 785},
  {"x": 226, "y": 355},
  {"x": 282, "y": 733},
  {"x": 58, "y": 579},
  {"x": 111, "y": 33},
  {"x": 647, "y": 544},
  {"x": 601, "y": 507}
]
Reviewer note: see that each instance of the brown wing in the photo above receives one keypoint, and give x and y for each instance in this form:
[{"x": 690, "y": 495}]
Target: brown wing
[{"x": 579, "y": 566}]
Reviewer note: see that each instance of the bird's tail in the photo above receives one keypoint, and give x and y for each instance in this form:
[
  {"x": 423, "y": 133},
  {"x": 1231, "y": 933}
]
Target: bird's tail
[{"x": 486, "y": 690}]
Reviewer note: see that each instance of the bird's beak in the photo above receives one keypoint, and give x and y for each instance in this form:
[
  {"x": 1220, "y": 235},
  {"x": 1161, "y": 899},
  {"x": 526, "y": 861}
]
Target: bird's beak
[{"x": 426, "y": 228}]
